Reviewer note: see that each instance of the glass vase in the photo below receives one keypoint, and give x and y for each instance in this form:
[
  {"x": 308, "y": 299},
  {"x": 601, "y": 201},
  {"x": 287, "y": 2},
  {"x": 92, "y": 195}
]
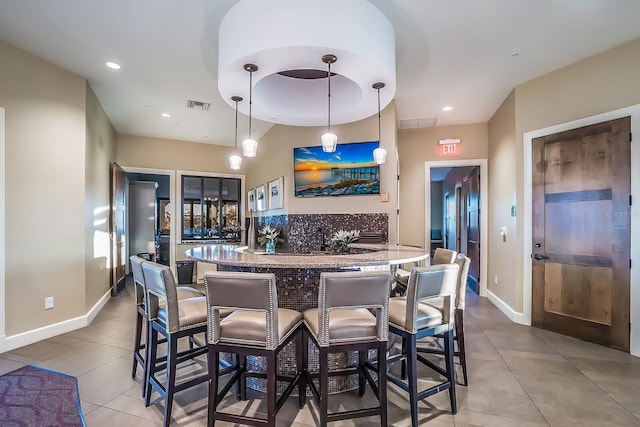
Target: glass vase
[{"x": 270, "y": 247}]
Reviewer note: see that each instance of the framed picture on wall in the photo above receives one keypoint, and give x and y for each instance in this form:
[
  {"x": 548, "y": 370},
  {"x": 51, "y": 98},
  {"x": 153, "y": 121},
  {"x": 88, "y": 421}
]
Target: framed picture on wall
[
  {"x": 261, "y": 197},
  {"x": 274, "y": 192},
  {"x": 251, "y": 197}
]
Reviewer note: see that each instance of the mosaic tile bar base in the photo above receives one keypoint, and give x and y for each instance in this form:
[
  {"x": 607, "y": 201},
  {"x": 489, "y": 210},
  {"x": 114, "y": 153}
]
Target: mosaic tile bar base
[{"x": 298, "y": 290}]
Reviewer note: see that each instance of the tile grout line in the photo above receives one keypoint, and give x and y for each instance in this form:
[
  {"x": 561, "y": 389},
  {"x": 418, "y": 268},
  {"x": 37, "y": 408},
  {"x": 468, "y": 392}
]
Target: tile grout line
[{"x": 513, "y": 374}]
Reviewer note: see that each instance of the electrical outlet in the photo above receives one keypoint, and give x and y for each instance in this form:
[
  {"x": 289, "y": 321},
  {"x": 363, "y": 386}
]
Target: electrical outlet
[
  {"x": 48, "y": 303},
  {"x": 495, "y": 280}
]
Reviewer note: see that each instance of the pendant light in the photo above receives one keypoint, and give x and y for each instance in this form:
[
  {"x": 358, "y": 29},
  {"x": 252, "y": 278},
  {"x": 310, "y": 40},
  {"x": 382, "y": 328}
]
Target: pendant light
[
  {"x": 235, "y": 161},
  {"x": 379, "y": 154},
  {"x": 250, "y": 145},
  {"x": 329, "y": 140}
]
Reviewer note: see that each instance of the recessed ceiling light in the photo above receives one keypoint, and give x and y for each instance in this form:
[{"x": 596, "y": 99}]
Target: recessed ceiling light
[
  {"x": 113, "y": 65},
  {"x": 165, "y": 115},
  {"x": 447, "y": 108}
]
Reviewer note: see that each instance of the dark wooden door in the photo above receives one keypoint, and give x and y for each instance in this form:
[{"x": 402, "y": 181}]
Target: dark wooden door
[
  {"x": 473, "y": 227},
  {"x": 581, "y": 232},
  {"x": 117, "y": 227}
]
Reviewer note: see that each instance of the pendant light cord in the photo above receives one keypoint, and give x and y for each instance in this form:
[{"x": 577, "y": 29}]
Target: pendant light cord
[
  {"x": 250, "y": 99},
  {"x": 378, "y": 115},
  {"x": 329, "y": 99},
  {"x": 236, "y": 144}
]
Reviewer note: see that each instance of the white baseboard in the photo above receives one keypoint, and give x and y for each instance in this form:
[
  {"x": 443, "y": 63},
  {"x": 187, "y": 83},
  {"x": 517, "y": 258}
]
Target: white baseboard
[
  {"x": 513, "y": 315},
  {"x": 11, "y": 342}
]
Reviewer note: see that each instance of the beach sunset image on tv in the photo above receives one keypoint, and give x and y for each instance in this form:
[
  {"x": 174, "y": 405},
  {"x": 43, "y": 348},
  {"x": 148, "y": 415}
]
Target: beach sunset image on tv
[{"x": 350, "y": 170}]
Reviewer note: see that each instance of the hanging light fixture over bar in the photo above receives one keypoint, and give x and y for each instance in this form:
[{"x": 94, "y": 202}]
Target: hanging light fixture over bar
[
  {"x": 235, "y": 161},
  {"x": 379, "y": 154},
  {"x": 250, "y": 145},
  {"x": 329, "y": 139},
  {"x": 287, "y": 36}
]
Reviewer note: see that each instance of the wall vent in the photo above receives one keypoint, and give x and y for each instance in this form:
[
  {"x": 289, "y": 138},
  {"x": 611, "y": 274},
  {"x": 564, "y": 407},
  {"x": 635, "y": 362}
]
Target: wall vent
[
  {"x": 198, "y": 105},
  {"x": 425, "y": 122}
]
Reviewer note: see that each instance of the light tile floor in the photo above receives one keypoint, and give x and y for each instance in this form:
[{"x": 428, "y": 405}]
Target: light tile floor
[{"x": 519, "y": 376}]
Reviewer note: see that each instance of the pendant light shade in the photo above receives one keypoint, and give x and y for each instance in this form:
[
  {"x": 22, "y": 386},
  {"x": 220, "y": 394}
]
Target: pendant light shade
[
  {"x": 235, "y": 161},
  {"x": 379, "y": 154},
  {"x": 250, "y": 145},
  {"x": 329, "y": 142},
  {"x": 329, "y": 139}
]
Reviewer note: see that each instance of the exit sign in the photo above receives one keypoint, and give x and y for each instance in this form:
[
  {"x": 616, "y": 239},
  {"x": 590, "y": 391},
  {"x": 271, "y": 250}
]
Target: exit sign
[{"x": 449, "y": 146}]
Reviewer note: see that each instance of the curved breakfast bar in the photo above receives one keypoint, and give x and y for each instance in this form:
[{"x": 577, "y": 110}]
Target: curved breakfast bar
[{"x": 298, "y": 276}]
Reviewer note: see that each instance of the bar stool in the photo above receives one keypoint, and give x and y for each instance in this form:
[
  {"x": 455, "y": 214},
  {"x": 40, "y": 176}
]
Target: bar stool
[
  {"x": 463, "y": 263},
  {"x": 139, "y": 291},
  {"x": 256, "y": 327},
  {"x": 411, "y": 320},
  {"x": 173, "y": 319},
  {"x": 443, "y": 256},
  {"x": 343, "y": 322}
]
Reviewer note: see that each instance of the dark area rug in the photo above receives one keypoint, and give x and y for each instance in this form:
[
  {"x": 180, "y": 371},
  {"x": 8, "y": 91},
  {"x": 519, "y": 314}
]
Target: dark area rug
[{"x": 32, "y": 396}]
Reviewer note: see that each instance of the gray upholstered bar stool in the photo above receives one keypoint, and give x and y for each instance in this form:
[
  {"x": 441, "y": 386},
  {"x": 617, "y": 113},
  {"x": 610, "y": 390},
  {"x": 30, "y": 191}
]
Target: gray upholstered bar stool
[
  {"x": 344, "y": 322},
  {"x": 256, "y": 327},
  {"x": 463, "y": 263},
  {"x": 139, "y": 292},
  {"x": 411, "y": 320},
  {"x": 173, "y": 319},
  {"x": 443, "y": 256}
]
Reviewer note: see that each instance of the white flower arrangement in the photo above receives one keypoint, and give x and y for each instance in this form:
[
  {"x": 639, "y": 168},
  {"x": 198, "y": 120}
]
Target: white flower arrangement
[
  {"x": 269, "y": 234},
  {"x": 344, "y": 237}
]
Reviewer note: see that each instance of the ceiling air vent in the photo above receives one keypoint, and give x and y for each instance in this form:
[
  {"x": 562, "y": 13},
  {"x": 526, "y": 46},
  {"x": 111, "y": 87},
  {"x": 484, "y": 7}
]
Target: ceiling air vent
[
  {"x": 425, "y": 122},
  {"x": 198, "y": 105}
]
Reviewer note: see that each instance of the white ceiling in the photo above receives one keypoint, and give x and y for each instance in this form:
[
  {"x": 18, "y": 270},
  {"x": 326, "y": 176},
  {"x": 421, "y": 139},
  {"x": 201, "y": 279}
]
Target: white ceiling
[{"x": 465, "y": 53}]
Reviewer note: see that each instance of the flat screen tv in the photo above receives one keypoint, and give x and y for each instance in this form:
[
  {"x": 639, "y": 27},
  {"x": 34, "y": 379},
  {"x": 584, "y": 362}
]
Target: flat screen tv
[{"x": 350, "y": 170}]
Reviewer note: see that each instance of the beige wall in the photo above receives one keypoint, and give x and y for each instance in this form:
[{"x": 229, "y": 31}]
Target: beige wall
[
  {"x": 275, "y": 158},
  {"x": 157, "y": 153},
  {"x": 595, "y": 85},
  {"x": 100, "y": 152},
  {"x": 45, "y": 190},
  {"x": 417, "y": 146},
  {"x": 502, "y": 195}
]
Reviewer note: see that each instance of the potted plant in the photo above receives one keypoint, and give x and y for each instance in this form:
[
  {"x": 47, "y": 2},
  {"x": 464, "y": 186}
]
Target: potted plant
[
  {"x": 268, "y": 237},
  {"x": 342, "y": 238}
]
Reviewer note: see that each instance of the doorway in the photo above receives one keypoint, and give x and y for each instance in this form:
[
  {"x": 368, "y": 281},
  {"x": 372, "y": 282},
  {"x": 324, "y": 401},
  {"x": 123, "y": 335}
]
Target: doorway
[
  {"x": 528, "y": 239},
  {"x": 163, "y": 227},
  {"x": 581, "y": 232},
  {"x": 463, "y": 228},
  {"x": 460, "y": 214}
]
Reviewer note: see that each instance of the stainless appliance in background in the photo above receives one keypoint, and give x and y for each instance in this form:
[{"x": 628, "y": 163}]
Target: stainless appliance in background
[{"x": 143, "y": 231}]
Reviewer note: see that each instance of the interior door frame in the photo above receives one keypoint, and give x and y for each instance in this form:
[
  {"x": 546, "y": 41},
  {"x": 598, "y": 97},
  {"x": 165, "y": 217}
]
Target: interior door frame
[
  {"x": 2, "y": 237},
  {"x": 172, "y": 211},
  {"x": 483, "y": 164},
  {"x": 634, "y": 113}
]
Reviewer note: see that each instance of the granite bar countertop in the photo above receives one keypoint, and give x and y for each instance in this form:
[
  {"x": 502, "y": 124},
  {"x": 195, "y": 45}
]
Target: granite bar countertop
[{"x": 371, "y": 255}]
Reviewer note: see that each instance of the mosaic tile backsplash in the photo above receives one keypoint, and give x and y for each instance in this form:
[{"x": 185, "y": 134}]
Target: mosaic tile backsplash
[{"x": 307, "y": 232}]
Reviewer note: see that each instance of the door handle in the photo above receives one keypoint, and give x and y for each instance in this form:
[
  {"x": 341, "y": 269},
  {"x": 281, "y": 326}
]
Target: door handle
[{"x": 539, "y": 256}]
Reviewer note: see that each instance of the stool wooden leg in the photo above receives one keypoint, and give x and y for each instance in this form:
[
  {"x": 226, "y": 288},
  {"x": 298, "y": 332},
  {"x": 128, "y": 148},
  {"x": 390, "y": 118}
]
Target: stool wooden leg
[
  {"x": 301, "y": 364},
  {"x": 382, "y": 383},
  {"x": 450, "y": 367},
  {"x": 150, "y": 364},
  {"x": 403, "y": 363},
  {"x": 462, "y": 354},
  {"x": 170, "y": 382},
  {"x": 242, "y": 381},
  {"x": 213, "y": 360},
  {"x": 412, "y": 377},
  {"x": 272, "y": 367},
  {"x": 137, "y": 346},
  {"x": 323, "y": 382},
  {"x": 362, "y": 381}
]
